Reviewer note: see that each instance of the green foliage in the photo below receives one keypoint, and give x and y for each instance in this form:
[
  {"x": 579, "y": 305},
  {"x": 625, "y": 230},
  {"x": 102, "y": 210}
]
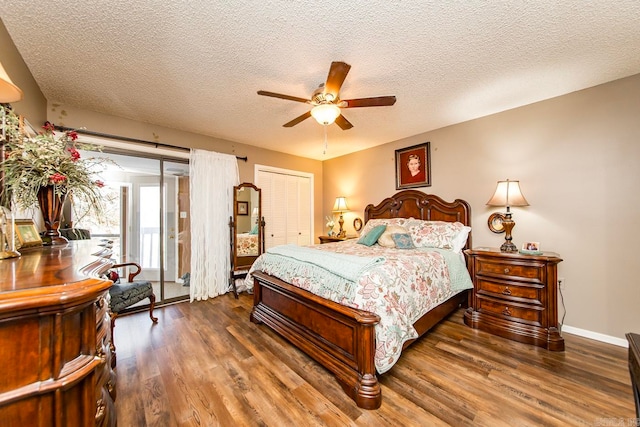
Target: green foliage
[{"x": 48, "y": 158}]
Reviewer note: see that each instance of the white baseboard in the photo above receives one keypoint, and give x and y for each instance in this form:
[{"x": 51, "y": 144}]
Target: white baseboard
[{"x": 596, "y": 336}]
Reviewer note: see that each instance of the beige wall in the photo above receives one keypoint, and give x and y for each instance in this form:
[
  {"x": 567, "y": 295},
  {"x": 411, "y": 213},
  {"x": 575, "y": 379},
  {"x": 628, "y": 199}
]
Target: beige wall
[{"x": 578, "y": 161}]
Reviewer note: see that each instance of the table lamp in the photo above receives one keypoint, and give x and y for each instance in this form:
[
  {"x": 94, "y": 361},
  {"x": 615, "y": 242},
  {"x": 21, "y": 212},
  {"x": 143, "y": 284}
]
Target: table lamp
[
  {"x": 508, "y": 194},
  {"x": 340, "y": 207}
]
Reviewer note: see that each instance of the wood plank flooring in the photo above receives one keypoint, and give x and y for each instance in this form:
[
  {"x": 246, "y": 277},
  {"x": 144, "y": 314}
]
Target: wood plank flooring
[{"x": 205, "y": 364}]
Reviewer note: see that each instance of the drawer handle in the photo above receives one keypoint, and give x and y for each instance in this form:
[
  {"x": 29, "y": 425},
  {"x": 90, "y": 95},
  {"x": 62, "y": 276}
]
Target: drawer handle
[
  {"x": 506, "y": 270},
  {"x": 507, "y": 291},
  {"x": 506, "y": 311}
]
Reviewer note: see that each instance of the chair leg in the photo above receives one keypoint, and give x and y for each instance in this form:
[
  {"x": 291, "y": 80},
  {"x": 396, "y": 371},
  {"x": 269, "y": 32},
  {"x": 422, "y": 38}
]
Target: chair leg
[
  {"x": 152, "y": 303},
  {"x": 233, "y": 285}
]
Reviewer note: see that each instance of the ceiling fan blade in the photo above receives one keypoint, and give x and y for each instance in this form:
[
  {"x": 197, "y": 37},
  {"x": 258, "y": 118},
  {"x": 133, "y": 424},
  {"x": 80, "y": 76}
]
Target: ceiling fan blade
[
  {"x": 343, "y": 122},
  {"x": 297, "y": 120},
  {"x": 337, "y": 74},
  {"x": 281, "y": 96},
  {"x": 378, "y": 101}
]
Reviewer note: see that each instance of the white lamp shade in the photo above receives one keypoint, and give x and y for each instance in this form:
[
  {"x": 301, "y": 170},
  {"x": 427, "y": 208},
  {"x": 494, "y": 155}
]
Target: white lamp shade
[
  {"x": 325, "y": 114},
  {"x": 508, "y": 193},
  {"x": 340, "y": 205},
  {"x": 8, "y": 91}
]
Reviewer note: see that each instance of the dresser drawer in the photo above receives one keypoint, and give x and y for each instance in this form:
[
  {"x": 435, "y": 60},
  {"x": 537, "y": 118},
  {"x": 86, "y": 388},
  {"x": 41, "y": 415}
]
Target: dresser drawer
[
  {"x": 518, "y": 313},
  {"x": 512, "y": 291},
  {"x": 509, "y": 269}
]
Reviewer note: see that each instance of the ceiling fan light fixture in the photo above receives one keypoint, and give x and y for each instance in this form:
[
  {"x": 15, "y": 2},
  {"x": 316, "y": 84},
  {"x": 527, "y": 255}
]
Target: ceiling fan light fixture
[{"x": 325, "y": 114}]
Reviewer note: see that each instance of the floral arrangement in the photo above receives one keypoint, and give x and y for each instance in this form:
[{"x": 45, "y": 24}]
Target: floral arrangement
[
  {"x": 330, "y": 223},
  {"x": 49, "y": 158}
]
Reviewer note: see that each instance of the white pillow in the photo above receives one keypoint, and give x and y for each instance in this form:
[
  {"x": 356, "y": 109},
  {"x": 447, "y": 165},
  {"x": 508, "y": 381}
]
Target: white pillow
[
  {"x": 435, "y": 234},
  {"x": 386, "y": 239},
  {"x": 458, "y": 242}
]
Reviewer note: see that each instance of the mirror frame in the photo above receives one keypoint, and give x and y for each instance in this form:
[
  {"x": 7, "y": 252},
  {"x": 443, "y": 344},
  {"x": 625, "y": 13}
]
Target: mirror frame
[{"x": 245, "y": 262}]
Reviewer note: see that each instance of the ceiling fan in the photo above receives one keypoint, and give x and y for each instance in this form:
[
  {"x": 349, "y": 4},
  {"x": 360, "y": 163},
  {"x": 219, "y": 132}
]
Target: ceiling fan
[{"x": 326, "y": 100}]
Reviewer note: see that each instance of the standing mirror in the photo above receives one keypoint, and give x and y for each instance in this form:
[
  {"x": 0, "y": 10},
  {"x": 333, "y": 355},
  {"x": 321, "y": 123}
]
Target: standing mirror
[{"x": 246, "y": 231}]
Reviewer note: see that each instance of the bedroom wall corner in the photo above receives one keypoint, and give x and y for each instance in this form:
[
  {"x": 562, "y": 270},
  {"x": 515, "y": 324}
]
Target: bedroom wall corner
[
  {"x": 34, "y": 105},
  {"x": 578, "y": 162}
]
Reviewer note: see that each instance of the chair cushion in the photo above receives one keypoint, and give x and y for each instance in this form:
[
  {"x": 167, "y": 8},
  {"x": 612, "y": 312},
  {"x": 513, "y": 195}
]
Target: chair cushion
[
  {"x": 124, "y": 295},
  {"x": 75, "y": 233}
]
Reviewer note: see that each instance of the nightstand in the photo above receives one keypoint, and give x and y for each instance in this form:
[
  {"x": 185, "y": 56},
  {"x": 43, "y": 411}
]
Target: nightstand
[
  {"x": 515, "y": 296},
  {"x": 329, "y": 239}
]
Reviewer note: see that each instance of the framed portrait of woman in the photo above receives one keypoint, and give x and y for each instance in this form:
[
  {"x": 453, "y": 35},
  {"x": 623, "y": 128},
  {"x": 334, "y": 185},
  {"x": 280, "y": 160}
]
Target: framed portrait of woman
[{"x": 413, "y": 167}]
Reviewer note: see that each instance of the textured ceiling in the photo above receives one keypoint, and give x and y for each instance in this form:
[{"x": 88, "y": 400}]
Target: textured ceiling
[{"x": 197, "y": 65}]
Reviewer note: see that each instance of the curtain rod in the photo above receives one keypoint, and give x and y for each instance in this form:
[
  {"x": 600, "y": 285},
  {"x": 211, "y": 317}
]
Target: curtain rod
[{"x": 127, "y": 139}]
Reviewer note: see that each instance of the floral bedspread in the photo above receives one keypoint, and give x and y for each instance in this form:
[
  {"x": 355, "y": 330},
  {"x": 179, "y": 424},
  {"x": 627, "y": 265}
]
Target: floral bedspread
[
  {"x": 247, "y": 244},
  {"x": 408, "y": 284}
]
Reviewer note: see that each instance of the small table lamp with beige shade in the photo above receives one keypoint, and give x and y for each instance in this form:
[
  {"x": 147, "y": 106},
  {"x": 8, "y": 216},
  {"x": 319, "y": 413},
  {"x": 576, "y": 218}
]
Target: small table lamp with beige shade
[
  {"x": 508, "y": 194},
  {"x": 340, "y": 207},
  {"x": 8, "y": 93}
]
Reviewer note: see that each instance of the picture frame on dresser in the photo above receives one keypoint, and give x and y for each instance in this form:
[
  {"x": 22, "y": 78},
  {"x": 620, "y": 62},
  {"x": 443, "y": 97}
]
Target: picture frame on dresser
[{"x": 26, "y": 233}]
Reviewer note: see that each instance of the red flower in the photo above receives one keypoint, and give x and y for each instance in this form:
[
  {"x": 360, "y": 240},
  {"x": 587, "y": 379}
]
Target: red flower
[
  {"x": 99, "y": 183},
  {"x": 73, "y": 135},
  {"x": 57, "y": 177},
  {"x": 49, "y": 127},
  {"x": 75, "y": 155}
]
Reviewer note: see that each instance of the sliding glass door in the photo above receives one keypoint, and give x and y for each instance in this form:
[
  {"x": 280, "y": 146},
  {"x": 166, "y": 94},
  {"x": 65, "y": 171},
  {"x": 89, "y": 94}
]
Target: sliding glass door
[{"x": 147, "y": 219}]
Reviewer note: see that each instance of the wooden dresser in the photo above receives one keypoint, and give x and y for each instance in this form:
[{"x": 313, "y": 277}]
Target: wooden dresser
[
  {"x": 55, "y": 357},
  {"x": 515, "y": 296}
]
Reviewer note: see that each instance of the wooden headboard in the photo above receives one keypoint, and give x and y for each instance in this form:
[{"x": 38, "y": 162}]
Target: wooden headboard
[{"x": 419, "y": 205}]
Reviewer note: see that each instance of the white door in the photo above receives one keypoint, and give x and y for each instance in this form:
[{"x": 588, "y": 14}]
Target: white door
[{"x": 286, "y": 205}]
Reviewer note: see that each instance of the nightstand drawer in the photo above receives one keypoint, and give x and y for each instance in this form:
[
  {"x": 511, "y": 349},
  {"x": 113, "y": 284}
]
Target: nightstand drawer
[
  {"x": 515, "y": 296},
  {"x": 522, "y": 314},
  {"x": 490, "y": 267},
  {"x": 513, "y": 291}
]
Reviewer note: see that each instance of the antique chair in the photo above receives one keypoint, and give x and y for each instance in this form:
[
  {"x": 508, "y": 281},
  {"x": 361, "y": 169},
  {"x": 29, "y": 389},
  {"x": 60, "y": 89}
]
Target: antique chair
[{"x": 125, "y": 294}]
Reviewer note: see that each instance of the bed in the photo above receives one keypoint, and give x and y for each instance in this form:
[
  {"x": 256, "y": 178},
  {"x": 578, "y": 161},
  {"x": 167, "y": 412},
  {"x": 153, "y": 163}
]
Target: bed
[{"x": 342, "y": 338}]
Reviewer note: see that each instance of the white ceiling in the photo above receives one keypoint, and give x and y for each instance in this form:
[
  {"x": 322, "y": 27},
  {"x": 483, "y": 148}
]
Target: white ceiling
[{"x": 197, "y": 65}]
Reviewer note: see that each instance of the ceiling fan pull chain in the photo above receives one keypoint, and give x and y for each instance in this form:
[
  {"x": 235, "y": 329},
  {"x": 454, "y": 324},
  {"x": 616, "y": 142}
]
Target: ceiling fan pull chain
[{"x": 325, "y": 139}]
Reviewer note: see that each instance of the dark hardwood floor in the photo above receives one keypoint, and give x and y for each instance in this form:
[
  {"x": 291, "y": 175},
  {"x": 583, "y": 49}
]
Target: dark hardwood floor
[{"x": 205, "y": 364}]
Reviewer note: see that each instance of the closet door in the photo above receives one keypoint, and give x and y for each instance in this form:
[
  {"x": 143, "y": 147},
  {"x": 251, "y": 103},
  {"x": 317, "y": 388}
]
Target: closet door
[
  {"x": 286, "y": 206},
  {"x": 301, "y": 215},
  {"x": 274, "y": 208}
]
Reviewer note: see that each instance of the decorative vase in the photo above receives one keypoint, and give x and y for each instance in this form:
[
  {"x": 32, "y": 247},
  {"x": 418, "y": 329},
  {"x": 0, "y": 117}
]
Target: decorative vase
[{"x": 51, "y": 208}]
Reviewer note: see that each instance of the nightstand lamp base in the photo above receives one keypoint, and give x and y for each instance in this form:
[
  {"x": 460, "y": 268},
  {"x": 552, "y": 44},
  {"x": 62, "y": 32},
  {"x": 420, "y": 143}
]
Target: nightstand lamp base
[{"x": 508, "y": 225}]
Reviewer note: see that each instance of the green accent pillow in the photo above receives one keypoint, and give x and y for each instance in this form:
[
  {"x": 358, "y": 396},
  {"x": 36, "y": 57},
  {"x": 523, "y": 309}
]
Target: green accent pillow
[
  {"x": 403, "y": 241},
  {"x": 372, "y": 236},
  {"x": 254, "y": 230}
]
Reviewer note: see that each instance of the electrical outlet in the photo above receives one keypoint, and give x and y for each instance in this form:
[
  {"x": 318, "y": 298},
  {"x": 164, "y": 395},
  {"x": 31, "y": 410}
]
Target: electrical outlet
[{"x": 561, "y": 283}]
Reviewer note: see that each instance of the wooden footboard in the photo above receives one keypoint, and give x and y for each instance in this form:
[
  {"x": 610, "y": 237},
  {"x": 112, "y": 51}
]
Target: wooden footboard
[{"x": 340, "y": 338}]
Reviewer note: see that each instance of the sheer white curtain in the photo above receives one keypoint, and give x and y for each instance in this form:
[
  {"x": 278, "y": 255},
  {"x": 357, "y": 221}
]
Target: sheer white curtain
[{"x": 212, "y": 177}]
